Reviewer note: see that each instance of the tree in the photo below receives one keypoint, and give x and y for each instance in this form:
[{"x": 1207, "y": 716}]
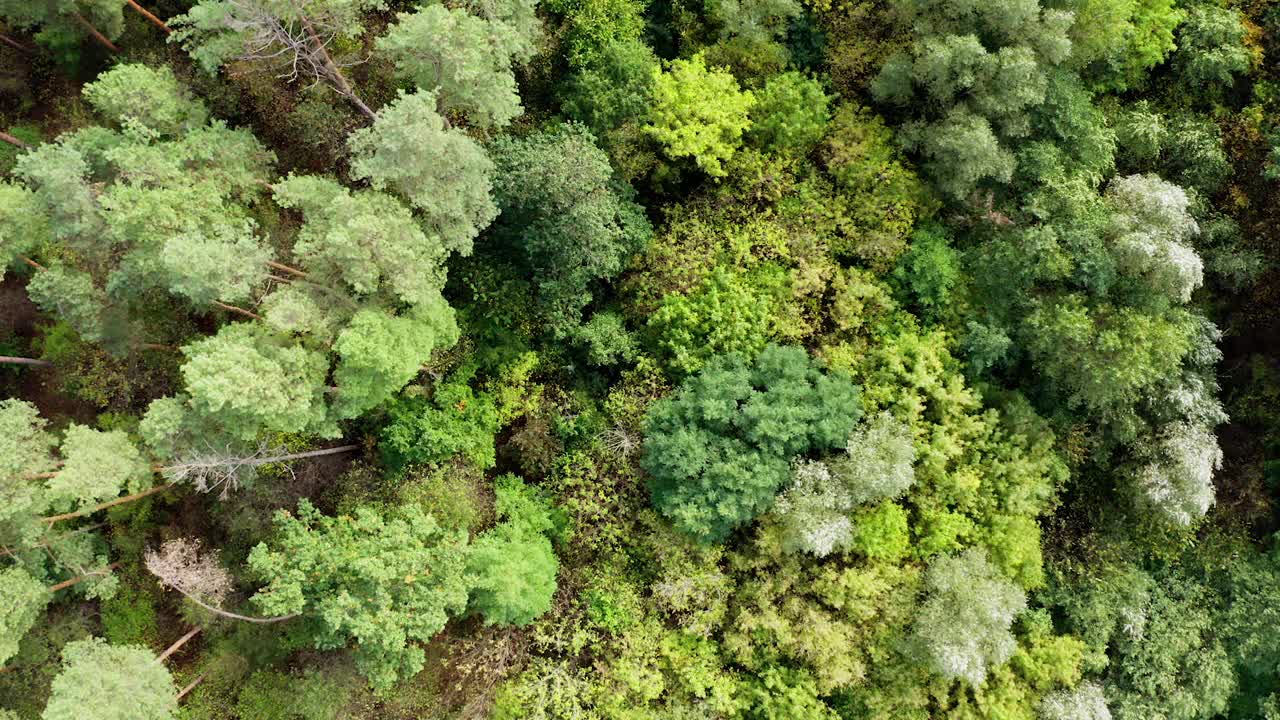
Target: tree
[
  {"x": 972, "y": 73},
  {"x": 816, "y": 510},
  {"x": 1085, "y": 702},
  {"x": 295, "y": 37},
  {"x": 462, "y": 60},
  {"x": 25, "y": 452},
  {"x": 454, "y": 420},
  {"x": 1211, "y": 48},
  {"x": 366, "y": 240},
  {"x": 439, "y": 170},
  {"x": 726, "y": 314},
  {"x": 575, "y": 222},
  {"x": 790, "y": 114},
  {"x": 512, "y": 567},
  {"x": 1116, "y": 43},
  {"x": 159, "y": 203},
  {"x": 699, "y": 113},
  {"x": 25, "y": 600},
  {"x": 96, "y": 466},
  {"x": 718, "y": 451},
  {"x": 615, "y": 89},
  {"x": 110, "y": 682},
  {"x": 380, "y": 353},
  {"x": 144, "y": 100},
  {"x": 1176, "y": 478},
  {"x": 962, "y": 627},
  {"x": 386, "y": 580},
  {"x": 248, "y": 379},
  {"x": 1151, "y": 225}
]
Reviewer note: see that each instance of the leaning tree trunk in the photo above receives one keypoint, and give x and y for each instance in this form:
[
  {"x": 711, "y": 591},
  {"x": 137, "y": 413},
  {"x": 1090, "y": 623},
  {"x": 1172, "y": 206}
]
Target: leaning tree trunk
[
  {"x": 81, "y": 578},
  {"x": 152, "y": 18},
  {"x": 93, "y": 32}
]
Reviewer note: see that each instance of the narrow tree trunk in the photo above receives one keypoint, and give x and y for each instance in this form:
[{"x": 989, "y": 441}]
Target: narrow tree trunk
[
  {"x": 102, "y": 39},
  {"x": 339, "y": 81},
  {"x": 13, "y": 140},
  {"x": 24, "y": 361},
  {"x": 103, "y": 506},
  {"x": 232, "y": 308},
  {"x": 81, "y": 578},
  {"x": 236, "y": 616},
  {"x": 14, "y": 44},
  {"x": 285, "y": 268},
  {"x": 177, "y": 644},
  {"x": 190, "y": 686},
  {"x": 161, "y": 468},
  {"x": 31, "y": 262},
  {"x": 154, "y": 20}
]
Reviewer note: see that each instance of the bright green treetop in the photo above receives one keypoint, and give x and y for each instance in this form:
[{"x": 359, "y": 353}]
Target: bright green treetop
[
  {"x": 248, "y": 379},
  {"x": 512, "y": 568},
  {"x": 380, "y": 353},
  {"x": 699, "y": 113},
  {"x": 383, "y": 579},
  {"x": 97, "y": 465},
  {"x": 110, "y": 682},
  {"x": 25, "y": 598}
]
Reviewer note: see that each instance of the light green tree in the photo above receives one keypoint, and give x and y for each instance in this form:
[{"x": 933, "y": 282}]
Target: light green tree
[
  {"x": 248, "y": 379},
  {"x": 385, "y": 580},
  {"x": 25, "y": 600},
  {"x": 365, "y": 240},
  {"x": 512, "y": 567},
  {"x": 96, "y": 466},
  {"x": 464, "y": 60},
  {"x": 110, "y": 682},
  {"x": 440, "y": 170},
  {"x": 699, "y": 113},
  {"x": 791, "y": 114},
  {"x": 380, "y": 353}
]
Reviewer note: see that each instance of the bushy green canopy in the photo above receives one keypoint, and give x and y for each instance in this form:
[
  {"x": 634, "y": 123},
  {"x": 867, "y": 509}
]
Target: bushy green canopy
[
  {"x": 99, "y": 681},
  {"x": 386, "y": 580},
  {"x": 719, "y": 449}
]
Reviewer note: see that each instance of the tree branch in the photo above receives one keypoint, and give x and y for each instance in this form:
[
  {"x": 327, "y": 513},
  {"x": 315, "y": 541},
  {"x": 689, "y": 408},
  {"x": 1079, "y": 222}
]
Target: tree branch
[
  {"x": 177, "y": 644},
  {"x": 24, "y": 361},
  {"x": 81, "y": 578},
  {"x": 232, "y": 308},
  {"x": 13, "y": 141},
  {"x": 154, "y": 20},
  {"x": 111, "y": 503},
  {"x": 93, "y": 31}
]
